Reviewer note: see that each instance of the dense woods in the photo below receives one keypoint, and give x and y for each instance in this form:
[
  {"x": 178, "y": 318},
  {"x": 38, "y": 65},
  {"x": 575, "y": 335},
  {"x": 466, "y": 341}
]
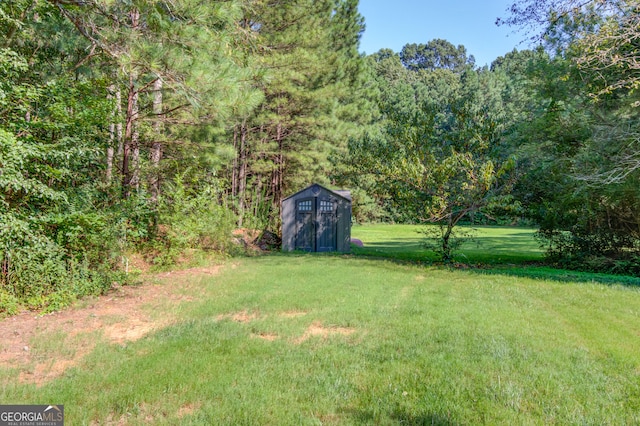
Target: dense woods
[{"x": 159, "y": 127}]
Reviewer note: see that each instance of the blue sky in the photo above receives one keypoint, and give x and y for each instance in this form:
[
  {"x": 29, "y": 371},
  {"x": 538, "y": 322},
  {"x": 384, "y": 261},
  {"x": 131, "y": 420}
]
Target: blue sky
[{"x": 394, "y": 23}]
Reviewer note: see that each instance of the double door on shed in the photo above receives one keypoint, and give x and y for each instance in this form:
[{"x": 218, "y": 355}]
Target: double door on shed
[{"x": 316, "y": 224}]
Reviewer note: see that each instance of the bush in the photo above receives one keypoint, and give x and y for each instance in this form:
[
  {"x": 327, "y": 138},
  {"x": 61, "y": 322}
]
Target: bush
[
  {"x": 9, "y": 304},
  {"x": 39, "y": 273},
  {"x": 191, "y": 219},
  {"x": 443, "y": 245},
  {"x": 594, "y": 252}
]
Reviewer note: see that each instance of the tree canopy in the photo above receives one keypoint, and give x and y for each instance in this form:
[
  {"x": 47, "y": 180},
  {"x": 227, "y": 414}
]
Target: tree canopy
[{"x": 158, "y": 127}]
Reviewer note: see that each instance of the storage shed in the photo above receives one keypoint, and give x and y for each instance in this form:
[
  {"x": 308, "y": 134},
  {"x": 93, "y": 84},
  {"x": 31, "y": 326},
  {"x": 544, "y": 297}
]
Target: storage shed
[{"x": 317, "y": 219}]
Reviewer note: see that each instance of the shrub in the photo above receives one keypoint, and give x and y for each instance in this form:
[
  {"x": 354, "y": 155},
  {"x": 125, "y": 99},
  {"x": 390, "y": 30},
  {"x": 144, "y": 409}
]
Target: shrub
[
  {"x": 591, "y": 251},
  {"x": 191, "y": 219},
  {"x": 39, "y": 273},
  {"x": 443, "y": 245}
]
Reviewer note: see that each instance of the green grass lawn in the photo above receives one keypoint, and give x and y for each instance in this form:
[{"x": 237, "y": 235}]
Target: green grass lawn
[
  {"x": 495, "y": 249},
  {"x": 491, "y": 244},
  {"x": 317, "y": 339}
]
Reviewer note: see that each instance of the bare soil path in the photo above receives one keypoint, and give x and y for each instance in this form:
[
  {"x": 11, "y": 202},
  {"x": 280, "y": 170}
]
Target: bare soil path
[{"x": 42, "y": 347}]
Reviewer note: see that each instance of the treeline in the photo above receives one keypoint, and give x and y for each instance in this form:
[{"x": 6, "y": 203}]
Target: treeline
[
  {"x": 549, "y": 136},
  {"x": 160, "y": 126}
]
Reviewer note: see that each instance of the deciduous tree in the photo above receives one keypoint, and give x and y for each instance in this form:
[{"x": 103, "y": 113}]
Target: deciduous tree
[{"x": 439, "y": 160}]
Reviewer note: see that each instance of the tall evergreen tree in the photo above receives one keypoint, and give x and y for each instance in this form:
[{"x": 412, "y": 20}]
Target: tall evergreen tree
[
  {"x": 436, "y": 54},
  {"x": 181, "y": 49},
  {"x": 307, "y": 51}
]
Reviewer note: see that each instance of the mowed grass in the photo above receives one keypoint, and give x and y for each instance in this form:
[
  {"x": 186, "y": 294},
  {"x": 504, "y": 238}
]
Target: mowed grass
[
  {"x": 312, "y": 339},
  {"x": 500, "y": 250},
  {"x": 491, "y": 244}
]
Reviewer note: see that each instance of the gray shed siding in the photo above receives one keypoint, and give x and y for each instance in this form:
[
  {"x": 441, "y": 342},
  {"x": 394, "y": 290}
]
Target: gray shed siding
[{"x": 317, "y": 219}]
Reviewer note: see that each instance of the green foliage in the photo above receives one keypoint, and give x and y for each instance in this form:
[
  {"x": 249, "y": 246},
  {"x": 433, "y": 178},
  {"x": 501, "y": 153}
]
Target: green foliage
[
  {"x": 436, "y": 54},
  {"x": 599, "y": 250},
  {"x": 9, "y": 304},
  {"x": 579, "y": 183},
  {"x": 64, "y": 227},
  {"x": 599, "y": 36},
  {"x": 310, "y": 72},
  {"x": 41, "y": 254},
  {"x": 365, "y": 209},
  {"x": 21, "y": 180},
  {"x": 189, "y": 218},
  {"x": 139, "y": 124},
  {"x": 438, "y": 154},
  {"x": 37, "y": 273}
]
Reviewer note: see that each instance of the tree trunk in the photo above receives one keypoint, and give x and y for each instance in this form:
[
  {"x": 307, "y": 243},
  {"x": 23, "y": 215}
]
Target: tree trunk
[
  {"x": 236, "y": 161},
  {"x": 447, "y": 256},
  {"x": 276, "y": 182},
  {"x": 110, "y": 155},
  {"x": 156, "y": 148},
  {"x": 115, "y": 132},
  {"x": 112, "y": 137},
  {"x": 135, "y": 150},
  {"x": 130, "y": 149},
  {"x": 126, "y": 147},
  {"x": 119, "y": 129},
  {"x": 242, "y": 172}
]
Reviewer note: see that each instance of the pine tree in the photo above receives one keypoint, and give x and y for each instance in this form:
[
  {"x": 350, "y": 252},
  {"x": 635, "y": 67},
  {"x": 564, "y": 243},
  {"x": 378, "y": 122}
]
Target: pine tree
[
  {"x": 307, "y": 53},
  {"x": 181, "y": 51}
]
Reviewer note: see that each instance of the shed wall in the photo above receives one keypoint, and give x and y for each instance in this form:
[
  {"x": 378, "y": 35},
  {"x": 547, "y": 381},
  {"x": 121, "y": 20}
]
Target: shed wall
[{"x": 291, "y": 226}]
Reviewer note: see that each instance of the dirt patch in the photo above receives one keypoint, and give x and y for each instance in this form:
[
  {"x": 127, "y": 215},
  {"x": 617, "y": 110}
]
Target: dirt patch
[
  {"x": 44, "y": 372},
  {"x": 43, "y": 347},
  {"x": 246, "y": 238},
  {"x": 242, "y": 316},
  {"x": 144, "y": 412},
  {"x": 255, "y": 241},
  {"x": 128, "y": 331},
  {"x": 208, "y": 270},
  {"x": 137, "y": 262},
  {"x": 317, "y": 329},
  {"x": 188, "y": 409},
  {"x": 292, "y": 314},
  {"x": 246, "y": 316}
]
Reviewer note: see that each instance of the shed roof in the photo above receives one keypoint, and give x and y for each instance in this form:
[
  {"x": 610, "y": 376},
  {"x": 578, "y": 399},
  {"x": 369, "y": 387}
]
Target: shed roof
[{"x": 342, "y": 193}]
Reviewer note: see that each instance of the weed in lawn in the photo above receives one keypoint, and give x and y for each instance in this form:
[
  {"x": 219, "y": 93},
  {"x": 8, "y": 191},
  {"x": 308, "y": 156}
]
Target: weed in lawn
[{"x": 266, "y": 336}]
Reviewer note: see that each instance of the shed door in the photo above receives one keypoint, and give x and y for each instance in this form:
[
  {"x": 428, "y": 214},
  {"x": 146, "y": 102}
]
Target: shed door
[
  {"x": 305, "y": 229},
  {"x": 327, "y": 226}
]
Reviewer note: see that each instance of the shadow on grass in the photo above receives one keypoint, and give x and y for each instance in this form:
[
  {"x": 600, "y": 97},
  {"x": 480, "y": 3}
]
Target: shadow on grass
[
  {"x": 398, "y": 417},
  {"x": 429, "y": 419},
  {"x": 493, "y": 251},
  {"x": 524, "y": 265},
  {"x": 471, "y": 253},
  {"x": 513, "y": 265},
  {"x": 397, "y": 250},
  {"x": 560, "y": 275},
  {"x": 509, "y": 242}
]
